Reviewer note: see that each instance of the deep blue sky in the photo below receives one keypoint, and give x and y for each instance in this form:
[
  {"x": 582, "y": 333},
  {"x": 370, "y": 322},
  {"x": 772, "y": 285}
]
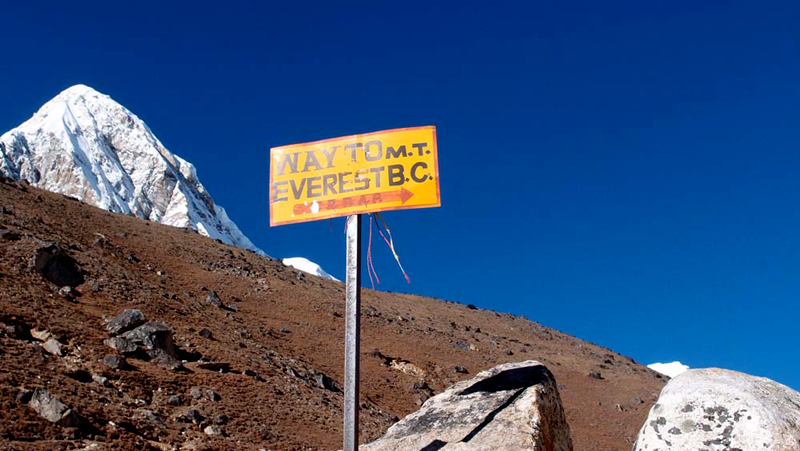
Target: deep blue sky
[{"x": 626, "y": 172}]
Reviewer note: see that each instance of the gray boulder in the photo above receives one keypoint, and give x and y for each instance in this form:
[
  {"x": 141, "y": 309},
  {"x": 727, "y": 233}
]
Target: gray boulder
[
  {"x": 164, "y": 359},
  {"x": 189, "y": 416},
  {"x": 152, "y": 335},
  {"x": 151, "y": 341},
  {"x": 53, "y": 410},
  {"x": 115, "y": 362},
  {"x": 125, "y": 321},
  {"x": 213, "y": 299},
  {"x": 514, "y": 406},
  {"x": 121, "y": 345},
  {"x": 53, "y": 347},
  {"x": 715, "y": 409}
]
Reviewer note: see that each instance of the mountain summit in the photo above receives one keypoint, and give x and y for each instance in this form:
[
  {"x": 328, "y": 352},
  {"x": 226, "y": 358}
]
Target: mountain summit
[{"x": 85, "y": 145}]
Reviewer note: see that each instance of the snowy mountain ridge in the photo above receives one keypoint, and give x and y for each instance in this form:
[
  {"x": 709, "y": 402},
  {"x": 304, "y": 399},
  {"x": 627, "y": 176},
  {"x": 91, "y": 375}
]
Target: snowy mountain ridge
[{"x": 85, "y": 145}]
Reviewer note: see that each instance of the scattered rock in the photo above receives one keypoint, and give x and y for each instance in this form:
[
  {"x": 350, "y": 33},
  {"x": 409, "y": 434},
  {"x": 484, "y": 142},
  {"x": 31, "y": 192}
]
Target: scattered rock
[
  {"x": 420, "y": 385},
  {"x": 67, "y": 292},
  {"x": 719, "y": 409},
  {"x": 125, "y": 321},
  {"x": 213, "y": 430},
  {"x": 512, "y": 406},
  {"x": 213, "y": 299},
  {"x": 509, "y": 352},
  {"x": 148, "y": 416},
  {"x": 53, "y": 410},
  {"x": 196, "y": 393},
  {"x": 461, "y": 345},
  {"x": 284, "y": 330},
  {"x": 174, "y": 400},
  {"x": 41, "y": 335},
  {"x": 53, "y": 347},
  {"x": 460, "y": 369},
  {"x": 213, "y": 396},
  {"x": 94, "y": 285},
  {"x": 205, "y": 333},
  {"x": 57, "y": 267},
  {"x": 221, "y": 420},
  {"x": 472, "y": 307},
  {"x": 250, "y": 372},
  {"x": 100, "y": 240},
  {"x": 164, "y": 359},
  {"x": 100, "y": 380},
  {"x": 325, "y": 382},
  {"x": 113, "y": 361},
  {"x": 407, "y": 367},
  {"x": 595, "y": 375},
  {"x": 189, "y": 416}
]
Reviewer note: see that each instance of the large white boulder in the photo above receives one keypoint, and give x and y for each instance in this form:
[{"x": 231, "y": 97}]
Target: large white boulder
[
  {"x": 514, "y": 406},
  {"x": 714, "y": 409}
]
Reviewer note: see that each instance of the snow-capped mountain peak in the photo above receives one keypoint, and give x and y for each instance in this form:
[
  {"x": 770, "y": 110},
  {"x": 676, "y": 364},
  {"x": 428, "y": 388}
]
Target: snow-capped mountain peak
[
  {"x": 85, "y": 145},
  {"x": 307, "y": 266}
]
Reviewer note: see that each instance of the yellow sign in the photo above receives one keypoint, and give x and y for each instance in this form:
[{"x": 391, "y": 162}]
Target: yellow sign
[{"x": 386, "y": 170}]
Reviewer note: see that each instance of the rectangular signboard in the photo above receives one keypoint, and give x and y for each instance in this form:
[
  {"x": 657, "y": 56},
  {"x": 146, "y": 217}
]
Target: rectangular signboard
[{"x": 386, "y": 170}]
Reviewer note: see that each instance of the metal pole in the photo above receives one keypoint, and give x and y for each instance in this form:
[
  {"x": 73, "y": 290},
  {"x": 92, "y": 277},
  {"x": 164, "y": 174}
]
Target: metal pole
[{"x": 352, "y": 339}]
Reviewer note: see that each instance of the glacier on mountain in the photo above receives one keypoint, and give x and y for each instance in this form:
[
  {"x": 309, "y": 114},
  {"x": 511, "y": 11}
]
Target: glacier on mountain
[{"x": 85, "y": 145}]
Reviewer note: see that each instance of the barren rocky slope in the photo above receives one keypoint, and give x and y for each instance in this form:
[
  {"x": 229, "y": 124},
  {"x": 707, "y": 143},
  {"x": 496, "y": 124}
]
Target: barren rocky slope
[{"x": 268, "y": 374}]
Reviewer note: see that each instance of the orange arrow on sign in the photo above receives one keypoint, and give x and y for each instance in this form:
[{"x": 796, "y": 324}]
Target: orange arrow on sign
[{"x": 366, "y": 199}]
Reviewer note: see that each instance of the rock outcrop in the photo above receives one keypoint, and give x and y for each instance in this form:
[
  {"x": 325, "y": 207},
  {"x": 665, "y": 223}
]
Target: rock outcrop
[
  {"x": 511, "y": 406},
  {"x": 715, "y": 409},
  {"x": 141, "y": 338}
]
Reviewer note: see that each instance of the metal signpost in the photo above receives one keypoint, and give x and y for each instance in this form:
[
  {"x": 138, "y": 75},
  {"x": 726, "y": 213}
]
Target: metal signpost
[
  {"x": 352, "y": 333},
  {"x": 347, "y": 176}
]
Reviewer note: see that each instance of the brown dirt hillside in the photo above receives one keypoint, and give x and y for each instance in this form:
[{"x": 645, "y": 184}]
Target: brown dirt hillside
[{"x": 281, "y": 342}]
